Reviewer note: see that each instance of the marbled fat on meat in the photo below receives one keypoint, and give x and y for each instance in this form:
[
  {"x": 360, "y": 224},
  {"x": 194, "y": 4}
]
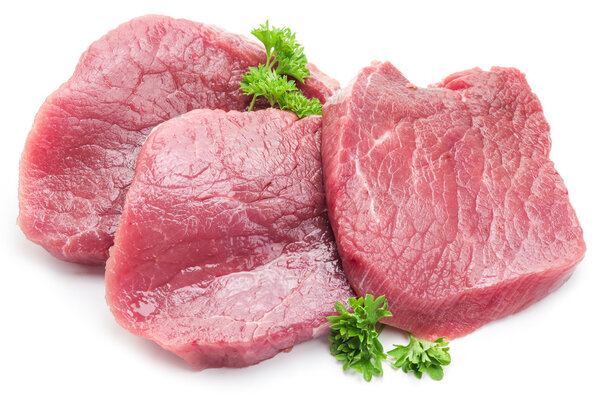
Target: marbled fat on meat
[
  {"x": 444, "y": 198},
  {"x": 224, "y": 254},
  {"x": 80, "y": 155}
]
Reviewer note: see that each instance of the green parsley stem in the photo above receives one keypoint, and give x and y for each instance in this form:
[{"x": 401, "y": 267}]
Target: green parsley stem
[{"x": 252, "y": 103}]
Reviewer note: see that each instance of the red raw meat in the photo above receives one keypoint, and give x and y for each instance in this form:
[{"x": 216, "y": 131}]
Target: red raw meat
[
  {"x": 444, "y": 198},
  {"x": 80, "y": 155},
  {"x": 224, "y": 254}
]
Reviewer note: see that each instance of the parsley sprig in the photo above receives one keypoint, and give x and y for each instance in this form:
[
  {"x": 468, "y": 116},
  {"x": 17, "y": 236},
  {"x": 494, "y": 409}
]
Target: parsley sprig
[
  {"x": 355, "y": 336},
  {"x": 355, "y": 342},
  {"x": 421, "y": 356},
  {"x": 285, "y": 57},
  {"x": 283, "y": 50}
]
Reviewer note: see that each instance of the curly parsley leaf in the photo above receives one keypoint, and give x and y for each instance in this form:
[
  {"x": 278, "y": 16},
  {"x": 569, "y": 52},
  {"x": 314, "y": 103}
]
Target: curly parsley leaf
[
  {"x": 355, "y": 342},
  {"x": 260, "y": 81},
  {"x": 283, "y": 51},
  {"x": 297, "y": 103},
  {"x": 355, "y": 335},
  {"x": 421, "y": 356},
  {"x": 285, "y": 57}
]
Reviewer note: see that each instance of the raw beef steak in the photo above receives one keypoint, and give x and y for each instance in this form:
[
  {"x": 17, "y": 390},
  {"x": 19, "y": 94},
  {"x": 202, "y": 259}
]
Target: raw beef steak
[
  {"x": 224, "y": 254},
  {"x": 80, "y": 155},
  {"x": 444, "y": 198}
]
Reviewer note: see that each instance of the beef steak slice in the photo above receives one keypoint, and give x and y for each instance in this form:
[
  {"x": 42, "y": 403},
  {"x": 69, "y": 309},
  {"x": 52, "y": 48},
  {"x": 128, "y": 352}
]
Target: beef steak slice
[
  {"x": 444, "y": 198},
  {"x": 80, "y": 155},
  {"x": 224, "y": 254}
]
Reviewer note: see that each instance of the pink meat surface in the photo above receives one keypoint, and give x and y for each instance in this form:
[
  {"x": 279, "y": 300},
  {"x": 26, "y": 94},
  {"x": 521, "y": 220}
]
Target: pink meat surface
[
  {"x": 444, "y": 198},
  {"x": 80, "y": 155},
  {"x": 224, "y": 254}
]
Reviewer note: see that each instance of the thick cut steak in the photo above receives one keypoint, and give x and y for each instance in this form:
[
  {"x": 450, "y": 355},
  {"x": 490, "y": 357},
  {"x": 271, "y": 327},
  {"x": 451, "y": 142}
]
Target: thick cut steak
[
  {"x": 224, "y": 254},
  {"x": 80, "y": 155},
  {"x": 444, "y": 198}
]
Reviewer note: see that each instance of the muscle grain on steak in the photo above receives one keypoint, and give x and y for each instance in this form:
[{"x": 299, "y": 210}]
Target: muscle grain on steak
[
  {"x": 444, "y": 198},
  {"x": 224, "y": 254},
  {"x": 80, "y": 155}
]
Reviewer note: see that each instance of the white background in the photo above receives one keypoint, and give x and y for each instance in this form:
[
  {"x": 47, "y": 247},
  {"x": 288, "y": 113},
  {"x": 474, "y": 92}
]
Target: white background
[{"x": 60, "y": 347}]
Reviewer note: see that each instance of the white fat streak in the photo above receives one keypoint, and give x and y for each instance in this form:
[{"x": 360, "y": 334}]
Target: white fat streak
[
  {"x": 361, "y": 176},
  {"x": 384, "y": 137}
]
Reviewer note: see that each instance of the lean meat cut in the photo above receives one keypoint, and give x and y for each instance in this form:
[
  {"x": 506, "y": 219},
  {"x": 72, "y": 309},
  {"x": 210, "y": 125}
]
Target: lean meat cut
[
  {"x": 224, "y": 254},
  {"x": 444, "y": 198},
  {"x": 80, "y": 155}
]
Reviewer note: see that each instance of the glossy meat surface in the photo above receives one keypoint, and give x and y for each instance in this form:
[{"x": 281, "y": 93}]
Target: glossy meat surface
[
  {"x": 224, "y": 254},
  {"x": 80, "y": 155},
  {"x": 444, "y": 198}
]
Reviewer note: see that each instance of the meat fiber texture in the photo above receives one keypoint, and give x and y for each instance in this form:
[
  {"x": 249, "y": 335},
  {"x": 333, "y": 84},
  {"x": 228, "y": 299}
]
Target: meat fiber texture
[
  {"x": 224, "y": 254},
  {"x": 80, "y": 155},
  {"x": 444, "y": 199}
]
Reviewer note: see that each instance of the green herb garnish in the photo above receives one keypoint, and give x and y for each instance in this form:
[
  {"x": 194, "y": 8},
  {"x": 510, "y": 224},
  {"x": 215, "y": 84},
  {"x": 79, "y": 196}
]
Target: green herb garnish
[
  {"x": 285, "y": 57},
  {"x": 421, "y": 356},
  {"x": 355, "y": 335},
  {"x": 355, "y": 342}
]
